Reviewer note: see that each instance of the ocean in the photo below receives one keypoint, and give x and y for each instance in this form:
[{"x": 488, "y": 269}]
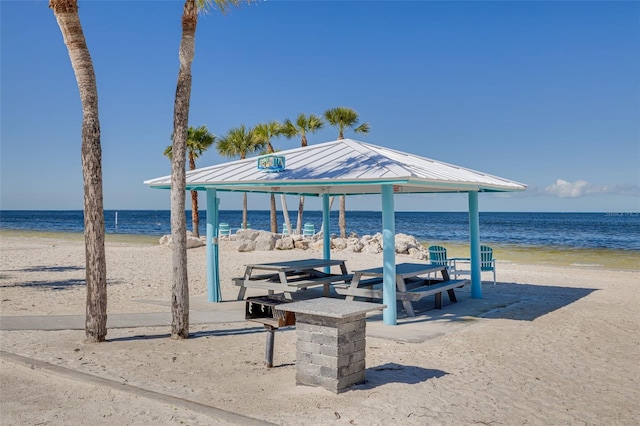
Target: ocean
[{"x": 618, "y": 231}]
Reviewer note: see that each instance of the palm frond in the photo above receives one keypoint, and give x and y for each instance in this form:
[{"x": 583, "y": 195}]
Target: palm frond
[
  {"x": 239, "y": 142},
  {"x": 363, "y": 128},
  {"x": 345, "y": 118},
  {"x": 168, "y": 152}
]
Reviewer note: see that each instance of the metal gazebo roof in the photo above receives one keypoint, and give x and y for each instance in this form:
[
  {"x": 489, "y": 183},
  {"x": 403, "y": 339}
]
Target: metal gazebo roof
[{"x": 343, "y": 167}]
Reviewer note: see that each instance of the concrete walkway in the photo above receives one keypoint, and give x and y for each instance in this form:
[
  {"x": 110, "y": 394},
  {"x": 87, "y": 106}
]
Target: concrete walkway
[
  {"x": 200, "y": 312},
  {"x": 427, "y": 323}
]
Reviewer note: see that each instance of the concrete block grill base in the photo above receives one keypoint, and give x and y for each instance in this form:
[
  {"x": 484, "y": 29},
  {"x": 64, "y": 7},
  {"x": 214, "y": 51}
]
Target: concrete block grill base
[{"x": 330, "y": 342}]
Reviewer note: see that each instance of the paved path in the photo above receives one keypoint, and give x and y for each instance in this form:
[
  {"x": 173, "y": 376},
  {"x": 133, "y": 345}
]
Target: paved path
[
  {"x": 200, "y": 312},
  {"x": 428, "y": 324}
]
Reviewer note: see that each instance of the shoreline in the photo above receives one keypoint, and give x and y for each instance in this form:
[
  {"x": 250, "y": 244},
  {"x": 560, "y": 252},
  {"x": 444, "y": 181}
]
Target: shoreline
[{"x": 603, "y": 258}]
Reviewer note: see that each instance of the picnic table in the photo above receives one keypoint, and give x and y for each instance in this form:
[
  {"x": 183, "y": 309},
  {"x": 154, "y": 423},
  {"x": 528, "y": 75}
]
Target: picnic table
[
  {"x": 291, "y": 276},
  {"x": 411, "y": 285}
]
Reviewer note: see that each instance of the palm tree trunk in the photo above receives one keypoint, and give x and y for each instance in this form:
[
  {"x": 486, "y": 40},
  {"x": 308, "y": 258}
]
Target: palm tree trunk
[
  {"x": 180, "y": 287},
  {"x": 195, "y": 216},
  {"x": 342, "y": 219},
  {"x": 273, "y": 215},
  {"x": 244, "y": 210},
  {"x": 330, "y": 207},
  {"x": 285, "y": 212},
  {"x": 66, "y": 13},
  {"x": 300, "y": 214}
]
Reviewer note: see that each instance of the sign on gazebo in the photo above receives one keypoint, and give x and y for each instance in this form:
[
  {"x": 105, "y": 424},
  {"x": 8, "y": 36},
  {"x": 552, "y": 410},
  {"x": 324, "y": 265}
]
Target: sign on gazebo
[{"x": 271, "y": 163}]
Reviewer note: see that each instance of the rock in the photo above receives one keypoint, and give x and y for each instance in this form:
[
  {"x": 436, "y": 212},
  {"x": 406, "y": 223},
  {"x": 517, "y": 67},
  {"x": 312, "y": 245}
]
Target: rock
[
  {"x": 286, "y": 243},
  {"x": 355, "y": 246},
  {"x": 302, "y": 244},
  {"x": 249, "y": 239},
  {"x": 372, "y": 248},
  {"x": 417, "y": 254},
  {"x": 247, "y": 234},
  {"x": 265, "y": 241},
  {"x": 405, "y": 242},
  {"x": 339, "y": 243},
  {"x": 246, "y": 245},
  {"x": 252, "y": 239},
  {"x": 192, "y": 241}
]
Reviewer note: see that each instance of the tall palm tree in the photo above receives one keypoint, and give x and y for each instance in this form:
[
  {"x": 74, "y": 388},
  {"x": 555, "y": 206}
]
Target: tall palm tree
[
  {"x": 66, "y": 13},
  {"x": 303, "y": 125},
  {"x": 265, "y": 132},
  {"x": 186, "y": 52},
  {"x": 199, "y": 139},
  {"x": 344, "y": 118},
  {"x": 239, "y": 142}
]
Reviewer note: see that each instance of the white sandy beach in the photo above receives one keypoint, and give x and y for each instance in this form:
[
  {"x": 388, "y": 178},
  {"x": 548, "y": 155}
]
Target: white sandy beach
[{"x": 554, "y": 345}]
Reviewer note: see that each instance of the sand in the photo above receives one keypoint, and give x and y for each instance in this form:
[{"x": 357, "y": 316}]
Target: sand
[{"x": 548, "y": 345}]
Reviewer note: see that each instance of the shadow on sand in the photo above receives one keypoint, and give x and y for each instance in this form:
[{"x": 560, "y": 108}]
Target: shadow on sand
[
  {"x": 523, "y": 302},
  {"x": 397, "y": 373},
  {"x": 193, "y": 335},
  {"x": 54, "y": 284}
]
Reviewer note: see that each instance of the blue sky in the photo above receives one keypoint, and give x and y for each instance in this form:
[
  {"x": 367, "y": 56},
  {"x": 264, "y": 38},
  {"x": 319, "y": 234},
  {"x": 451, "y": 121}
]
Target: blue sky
[{"x": 544, "y": 93}]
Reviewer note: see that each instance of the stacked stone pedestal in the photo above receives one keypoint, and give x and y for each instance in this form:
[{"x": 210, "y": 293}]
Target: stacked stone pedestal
[
  {"x": 330, "y": 342},
  {"x": 330, "y": 352}
]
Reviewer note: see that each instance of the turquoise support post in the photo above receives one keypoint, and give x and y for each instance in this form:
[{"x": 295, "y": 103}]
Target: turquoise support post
[
  {"x": 474, "y": 244},
  {"x": 389, "y": 314},
  {"x": 213, "y": 271},
  {"x": 326, "y": 234}
]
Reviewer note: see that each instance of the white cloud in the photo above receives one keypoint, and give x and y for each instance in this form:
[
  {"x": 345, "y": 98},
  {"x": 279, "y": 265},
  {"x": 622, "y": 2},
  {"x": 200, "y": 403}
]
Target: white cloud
[{"x": 563, "y": 189}]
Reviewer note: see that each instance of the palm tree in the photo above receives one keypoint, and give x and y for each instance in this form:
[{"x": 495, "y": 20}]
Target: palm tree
[
  {"x": 198, "y": 141},
  {"x": 66, "y": 13},
  {"x": 239, "y": 142},
  {"x": 344, "y": 118},
  {"x": 186, "y": 52},
  {"x": 265, "y": 132},
  {"x": 301, "y": 127}
]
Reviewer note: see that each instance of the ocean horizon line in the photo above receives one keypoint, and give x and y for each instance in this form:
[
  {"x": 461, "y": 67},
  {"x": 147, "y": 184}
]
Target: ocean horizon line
[{"x": 605, "y": 212}]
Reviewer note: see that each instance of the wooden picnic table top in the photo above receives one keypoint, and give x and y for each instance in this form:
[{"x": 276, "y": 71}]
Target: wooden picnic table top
[
  {"x": 402, "y": 269},
  {"x": 293, "y": 265}
]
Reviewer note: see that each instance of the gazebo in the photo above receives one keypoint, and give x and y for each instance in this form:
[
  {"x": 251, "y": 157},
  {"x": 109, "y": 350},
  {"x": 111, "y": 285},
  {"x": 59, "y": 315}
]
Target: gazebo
[{"x": 343, "y": 167}]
